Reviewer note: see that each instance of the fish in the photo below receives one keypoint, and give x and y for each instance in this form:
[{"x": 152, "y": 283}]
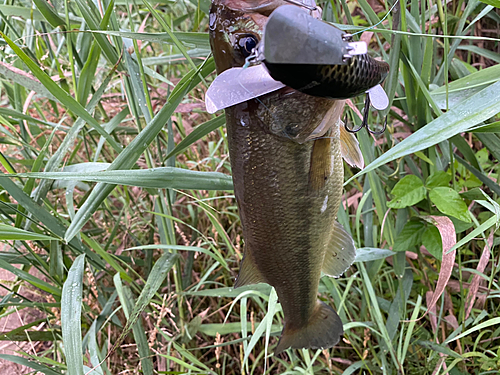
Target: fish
[{"x": 286, "y": 150}]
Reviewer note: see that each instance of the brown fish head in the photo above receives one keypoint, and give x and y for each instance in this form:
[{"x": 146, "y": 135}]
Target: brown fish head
[{"x": 236, "y": 27}]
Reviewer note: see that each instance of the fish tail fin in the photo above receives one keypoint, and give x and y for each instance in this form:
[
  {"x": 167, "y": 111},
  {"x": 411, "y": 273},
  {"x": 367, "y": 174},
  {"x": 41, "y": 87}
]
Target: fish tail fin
[{"x": 322, "y": 331}]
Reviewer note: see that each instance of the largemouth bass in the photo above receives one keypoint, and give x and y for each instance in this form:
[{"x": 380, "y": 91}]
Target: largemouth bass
[{"x": 286, "y": 157}]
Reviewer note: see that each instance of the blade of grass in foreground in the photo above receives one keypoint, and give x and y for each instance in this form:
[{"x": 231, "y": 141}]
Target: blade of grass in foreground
[
  {"x": 71, "y": 309},
  {"x": 156, "y": 178},
  {"x": 155, "y": 279}
]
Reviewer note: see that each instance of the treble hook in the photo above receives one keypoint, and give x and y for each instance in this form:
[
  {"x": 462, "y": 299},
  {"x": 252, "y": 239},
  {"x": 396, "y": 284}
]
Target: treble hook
[{"x": 364, "y": 123}]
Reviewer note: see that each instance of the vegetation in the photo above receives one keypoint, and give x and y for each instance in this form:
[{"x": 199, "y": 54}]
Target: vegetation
[{"x": 134, "y": 267}]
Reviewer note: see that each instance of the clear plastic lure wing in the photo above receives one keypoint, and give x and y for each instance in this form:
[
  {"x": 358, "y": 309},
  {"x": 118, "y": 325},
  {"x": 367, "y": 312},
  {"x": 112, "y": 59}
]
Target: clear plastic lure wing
[
  {"x": 378, "y": 98},
  {"x": 237, "y": 85}
]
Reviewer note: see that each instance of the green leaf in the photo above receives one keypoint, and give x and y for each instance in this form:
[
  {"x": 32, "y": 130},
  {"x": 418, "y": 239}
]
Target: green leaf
[
  {"x": 8, "y": 232},
  {"x": 49, "y": 13},
  {"x": 24, "y": 79},
  {"x": 30, "y": 278},
  {"x": 71, "y": 310},
  {"x": 157, "y": 178},
  {"x": 438, "y": 178},
  {"x": 155, "y": 279},
  {"x": 199, "y": 132},
  {"x": 495, "y": 3},
  {"x": 431, "y": 239},
  {"x": 448, "y": 201},
  {"x": 410, "y": 236},
  {"x": 29, "y": 363},
  {"x": 407, "y": 192}
]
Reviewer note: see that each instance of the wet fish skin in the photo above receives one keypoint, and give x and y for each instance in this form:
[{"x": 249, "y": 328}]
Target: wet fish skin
[{"x": 288, "y": 187}]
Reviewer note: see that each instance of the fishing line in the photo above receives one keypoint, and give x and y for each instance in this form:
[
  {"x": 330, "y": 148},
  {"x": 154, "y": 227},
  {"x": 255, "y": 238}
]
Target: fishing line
[{"x": 379, "y": 22}]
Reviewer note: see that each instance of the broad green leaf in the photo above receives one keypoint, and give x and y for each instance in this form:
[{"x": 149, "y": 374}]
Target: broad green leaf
[
  {"x": 71, "y": 310},
  {"x": 94, "y": 350},
  {"x": 8, "y": 232},
  {"x": 448, "y": 201},
  {"x": 155, "y": 279},
  {"x": 431, "y": 239},
  {"x": 127, "y": 302},
  {"x": 408, "y": 191},
  {"x": 438, "y": 178},
  {"x": 410, "y": 236},
  {"x": 477, "y": 108}
]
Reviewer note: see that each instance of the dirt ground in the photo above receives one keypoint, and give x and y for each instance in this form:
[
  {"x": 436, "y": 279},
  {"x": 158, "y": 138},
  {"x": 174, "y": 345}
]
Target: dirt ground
[{"x": 12, "y": 321}]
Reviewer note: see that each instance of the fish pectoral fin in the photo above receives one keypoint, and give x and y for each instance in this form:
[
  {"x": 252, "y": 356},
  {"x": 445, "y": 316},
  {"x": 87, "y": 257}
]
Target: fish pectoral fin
[
  {"x": 320, "y": 165},
  {"x": 249, "y": 274},
  {"x": 340, "y": 253},
  {"x": 349, "y": 148},
  {"x": 322, "y": 331}
]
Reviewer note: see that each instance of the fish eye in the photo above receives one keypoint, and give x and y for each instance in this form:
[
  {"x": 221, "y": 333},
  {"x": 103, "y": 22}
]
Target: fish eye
[{"x": 246, "y": 44}]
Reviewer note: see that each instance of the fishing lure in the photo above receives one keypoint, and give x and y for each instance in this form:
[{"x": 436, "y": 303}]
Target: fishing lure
[
  {"x": 307, "y": 54},
  {"x": 318, "y": 59}
]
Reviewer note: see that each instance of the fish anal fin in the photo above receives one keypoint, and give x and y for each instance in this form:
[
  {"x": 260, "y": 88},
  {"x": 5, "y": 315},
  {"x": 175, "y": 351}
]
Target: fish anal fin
[
  {"x": 340, "y": 252},
  {"x": 249, "y": 274},
  {"x": 320, "y": 165},
  {"x": 322, "y": 331},
  {"x": 349, "y": 148}
]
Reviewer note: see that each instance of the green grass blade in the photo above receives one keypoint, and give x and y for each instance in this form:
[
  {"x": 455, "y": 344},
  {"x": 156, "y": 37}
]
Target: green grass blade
[
  {"x": 29, "y": 363},
  {"x": 157, "y": 178},
  {"x": 30, "y": 278},
  {"x": 199, "y": 132},
  {"x": 71, "y": 309},
  {"x": 8, "y": 232},
  {"x": 133, "y": 151}
]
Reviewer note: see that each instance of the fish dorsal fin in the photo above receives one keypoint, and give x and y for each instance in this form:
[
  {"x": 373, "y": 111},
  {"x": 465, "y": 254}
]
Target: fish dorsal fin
[
  {"x": 340, "y": 253},
  {"x": 322, "y": 331},
  {"x": 349, "y": 148},
  {"x": 249, "y": 274}
]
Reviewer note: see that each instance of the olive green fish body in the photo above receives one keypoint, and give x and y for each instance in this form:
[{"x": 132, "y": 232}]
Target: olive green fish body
[
  {"x": 359, "y": 74},
  {"x": 288, "y": 173}
]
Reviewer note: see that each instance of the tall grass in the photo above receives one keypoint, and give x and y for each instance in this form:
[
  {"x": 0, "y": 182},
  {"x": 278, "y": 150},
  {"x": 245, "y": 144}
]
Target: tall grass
[{"x": 120, "y": 228}]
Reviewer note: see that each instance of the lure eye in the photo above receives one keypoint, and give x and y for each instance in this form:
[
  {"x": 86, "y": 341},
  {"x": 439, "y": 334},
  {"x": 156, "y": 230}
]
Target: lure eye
[{"x": 246, "y": 44}]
